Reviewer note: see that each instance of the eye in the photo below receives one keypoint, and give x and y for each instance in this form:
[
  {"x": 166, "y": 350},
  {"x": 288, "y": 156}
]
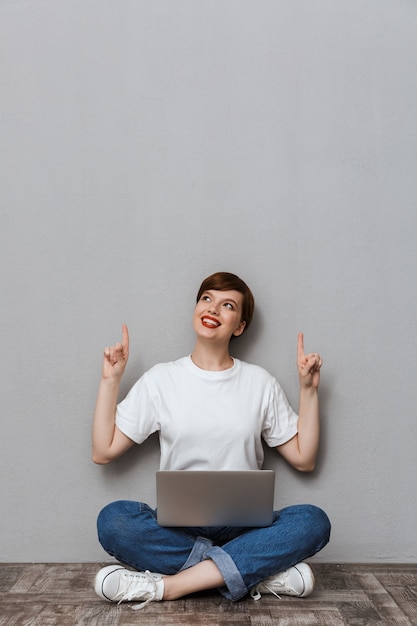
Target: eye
[
  {"x": 205, "y": 298},
  {"x": 229, "y": 305}
]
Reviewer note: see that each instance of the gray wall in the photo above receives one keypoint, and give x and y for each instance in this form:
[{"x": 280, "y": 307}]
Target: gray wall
[{"x": 148, "y": 143}]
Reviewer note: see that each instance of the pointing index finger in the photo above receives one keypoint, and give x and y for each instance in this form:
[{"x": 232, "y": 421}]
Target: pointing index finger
[
  {"x": 300, "y": 346},
  {"x": 125, "y": 338}
]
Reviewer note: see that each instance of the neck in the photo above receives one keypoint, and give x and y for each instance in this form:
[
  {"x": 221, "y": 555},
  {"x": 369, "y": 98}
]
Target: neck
[{"x": 211, "y": 358}]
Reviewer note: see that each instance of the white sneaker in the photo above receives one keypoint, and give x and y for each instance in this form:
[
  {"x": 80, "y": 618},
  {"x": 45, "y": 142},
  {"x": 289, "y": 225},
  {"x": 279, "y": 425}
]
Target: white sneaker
[
  {"x": 117, "y": 584},
  {"x": 295, "y": 581}
]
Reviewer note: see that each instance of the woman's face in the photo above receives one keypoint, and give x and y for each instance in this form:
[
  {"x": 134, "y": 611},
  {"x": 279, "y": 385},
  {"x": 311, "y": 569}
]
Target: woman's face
[{"x": 218, "y": 315}]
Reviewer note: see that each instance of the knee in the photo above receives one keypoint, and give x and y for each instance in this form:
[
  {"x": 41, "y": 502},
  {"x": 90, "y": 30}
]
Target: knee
[
  {"x": 319, "y": 524},
  {"x": 114, "y": 517},
  {"x": 309, "y": 521},
  {"x": 107, "y": 520}
]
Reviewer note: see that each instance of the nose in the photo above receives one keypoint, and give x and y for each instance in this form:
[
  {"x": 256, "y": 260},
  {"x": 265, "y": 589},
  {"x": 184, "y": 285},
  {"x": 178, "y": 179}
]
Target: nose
[{"x": 213, "y": 308}]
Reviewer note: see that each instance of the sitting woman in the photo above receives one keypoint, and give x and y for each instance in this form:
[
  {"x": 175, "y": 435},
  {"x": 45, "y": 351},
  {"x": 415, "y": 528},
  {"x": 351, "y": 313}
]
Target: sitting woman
[{"x": 211, "y": 411}]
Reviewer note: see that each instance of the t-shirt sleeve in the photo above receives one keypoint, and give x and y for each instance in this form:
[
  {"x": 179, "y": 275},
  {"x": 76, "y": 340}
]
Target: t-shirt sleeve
[
  {"x": 280, "y": 424},
  {"x": 136, "y": 415}
]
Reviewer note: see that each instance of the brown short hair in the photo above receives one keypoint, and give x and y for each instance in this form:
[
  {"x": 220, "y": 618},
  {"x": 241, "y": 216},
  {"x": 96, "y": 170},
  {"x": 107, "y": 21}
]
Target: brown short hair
[{"x": 224, "y": 281}]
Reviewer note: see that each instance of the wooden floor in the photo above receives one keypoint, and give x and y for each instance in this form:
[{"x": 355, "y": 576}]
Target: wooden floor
[{"x": 62, "y": 595}]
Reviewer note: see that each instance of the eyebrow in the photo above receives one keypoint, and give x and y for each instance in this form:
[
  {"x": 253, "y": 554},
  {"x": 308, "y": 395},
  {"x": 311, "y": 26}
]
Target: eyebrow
[{"x": 210, "y": 292}]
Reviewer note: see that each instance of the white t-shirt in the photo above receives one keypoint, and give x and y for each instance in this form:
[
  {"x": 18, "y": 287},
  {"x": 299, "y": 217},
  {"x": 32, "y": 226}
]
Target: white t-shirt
[{"x": 208, "y": 420}]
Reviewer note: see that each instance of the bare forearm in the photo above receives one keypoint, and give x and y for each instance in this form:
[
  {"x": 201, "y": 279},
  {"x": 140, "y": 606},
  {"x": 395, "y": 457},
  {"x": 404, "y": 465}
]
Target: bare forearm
[
  {"x": 308, "y": 427},
  {"x": 105, "y": 419}
]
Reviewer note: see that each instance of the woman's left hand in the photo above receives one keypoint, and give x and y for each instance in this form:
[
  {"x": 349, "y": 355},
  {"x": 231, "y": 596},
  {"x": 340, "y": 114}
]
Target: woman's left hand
[{"x": 308, "y": 366}]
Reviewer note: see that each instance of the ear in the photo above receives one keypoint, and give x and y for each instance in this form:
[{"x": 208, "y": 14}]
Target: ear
[{"x": 239, "y": 330}]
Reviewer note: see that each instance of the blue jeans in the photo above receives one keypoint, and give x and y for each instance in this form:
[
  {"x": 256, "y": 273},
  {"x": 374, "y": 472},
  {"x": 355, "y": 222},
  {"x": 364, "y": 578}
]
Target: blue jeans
[{"x": 129, "y": 532}]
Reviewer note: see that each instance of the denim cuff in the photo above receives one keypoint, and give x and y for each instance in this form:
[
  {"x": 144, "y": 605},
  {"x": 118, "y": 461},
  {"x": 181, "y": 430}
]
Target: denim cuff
[
  {"x": 197, "y": 552},
  {"x": 235, "y": 586}
]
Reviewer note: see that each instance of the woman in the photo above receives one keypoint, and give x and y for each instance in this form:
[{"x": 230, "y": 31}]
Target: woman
[{"x": 212, "y": 412}]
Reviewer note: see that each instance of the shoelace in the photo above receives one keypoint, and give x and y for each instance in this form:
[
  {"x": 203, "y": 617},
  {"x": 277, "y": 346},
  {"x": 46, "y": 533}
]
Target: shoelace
[
  {"x": 271, "y": 591},
  {"x": 256, "y": 594},
  {"x": 135, "y": 584}
]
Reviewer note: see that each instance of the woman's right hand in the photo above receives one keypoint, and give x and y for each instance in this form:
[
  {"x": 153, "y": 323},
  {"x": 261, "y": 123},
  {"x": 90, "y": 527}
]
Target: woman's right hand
[{"x": 115, "y": 357}]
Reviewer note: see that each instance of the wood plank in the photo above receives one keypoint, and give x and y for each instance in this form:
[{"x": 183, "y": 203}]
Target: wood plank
[{"x": 63, "y": 595}]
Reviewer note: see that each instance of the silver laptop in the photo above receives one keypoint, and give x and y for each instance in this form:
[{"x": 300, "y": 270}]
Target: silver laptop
[{"x": 215, "y": 498}]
